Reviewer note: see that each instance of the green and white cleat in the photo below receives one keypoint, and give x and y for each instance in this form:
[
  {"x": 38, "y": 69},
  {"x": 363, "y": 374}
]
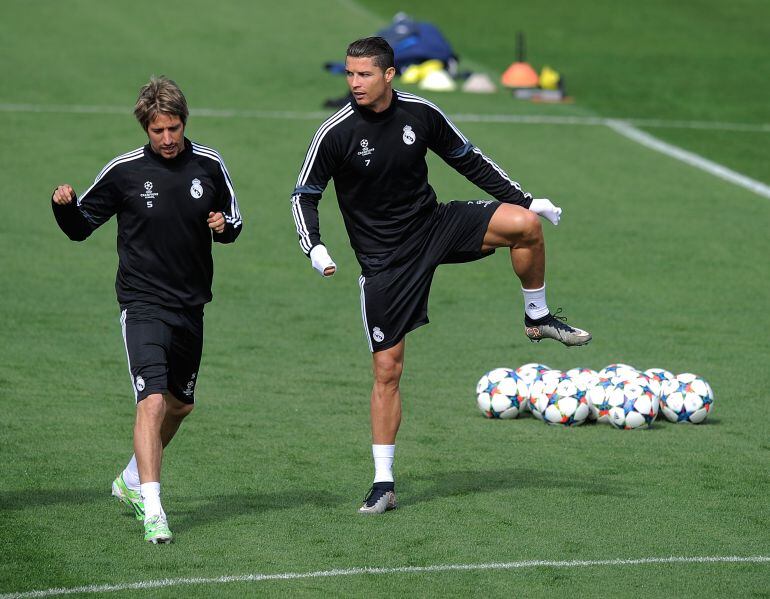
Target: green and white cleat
[
  {"x": 128, "y": 496},
  {"x": 156, "y": 530}
]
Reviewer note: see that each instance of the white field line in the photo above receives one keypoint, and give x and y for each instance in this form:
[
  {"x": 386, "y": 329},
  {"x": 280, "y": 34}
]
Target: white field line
[
  {"x": 690, "y": 158},
  {"x": 595, "y": 121},
  {"x": 460, "y": 118},
  {"x": 173, "y": 582},
  {"x": 625, "y": 127}
]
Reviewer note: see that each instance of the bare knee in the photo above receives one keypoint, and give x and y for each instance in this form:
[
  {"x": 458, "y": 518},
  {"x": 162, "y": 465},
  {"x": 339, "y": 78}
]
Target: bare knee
[
  {"x": 531, "y": 229},
  {"x": 513, "y": 226},
  {"x": 177, "y": 409},
  {"x": 153, "y": 406},
  {"x": 387, "y": 371},
  {"x": 523, "y": 230}
]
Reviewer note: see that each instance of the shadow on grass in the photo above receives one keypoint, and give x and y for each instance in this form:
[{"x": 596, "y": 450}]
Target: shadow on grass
[
  {"x": 417, "y": 489},
  {"x": 663, "y": 421},
  {"x": 218, "y": 508},
  {"x": 30, "y": 498},
  {"x": 471, "y": 482}
]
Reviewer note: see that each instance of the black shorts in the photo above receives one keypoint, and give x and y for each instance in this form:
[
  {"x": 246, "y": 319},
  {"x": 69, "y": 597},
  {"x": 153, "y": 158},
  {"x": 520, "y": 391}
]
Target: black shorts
[
  {"x": 163, "y": 347},
  {"x": 394, "y": 300}
]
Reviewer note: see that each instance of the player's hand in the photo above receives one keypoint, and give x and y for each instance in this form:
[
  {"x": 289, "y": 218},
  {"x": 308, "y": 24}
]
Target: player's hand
[
  {"x": 545, "y": 208},
  {"x": 322, "y": 261},
  {"x": 63, "y": 194},
  {"x": 216, "y": 222}
]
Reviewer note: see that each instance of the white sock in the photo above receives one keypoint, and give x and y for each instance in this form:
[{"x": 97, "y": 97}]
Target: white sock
[
  {"x": 534, "y": 302},
  {"x": 383, "y": 462},
  {"x": 131, "y": 475},
  {"x": 151, "y": 497}
]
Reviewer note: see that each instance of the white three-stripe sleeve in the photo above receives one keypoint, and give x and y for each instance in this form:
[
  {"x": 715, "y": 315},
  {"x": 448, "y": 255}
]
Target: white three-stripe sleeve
[
  {"x": 96, "y": 205},
  {"x": 317, "y": 169},
  {"x": 102, "y": 200},
  {"x": 230, "y": 205}
]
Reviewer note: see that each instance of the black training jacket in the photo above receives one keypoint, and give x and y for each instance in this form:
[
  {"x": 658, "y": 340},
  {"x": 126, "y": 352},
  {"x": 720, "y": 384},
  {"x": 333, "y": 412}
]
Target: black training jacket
[
  {"x": 377, "y": 162},
  {"x": 162, "y": 205}
]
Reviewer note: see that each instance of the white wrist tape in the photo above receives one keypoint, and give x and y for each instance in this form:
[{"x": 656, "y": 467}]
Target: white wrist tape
[{"x": 321, "y": 260}]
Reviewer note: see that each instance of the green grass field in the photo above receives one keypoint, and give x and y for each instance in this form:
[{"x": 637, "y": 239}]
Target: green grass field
[{"x": 665, "y": 264}]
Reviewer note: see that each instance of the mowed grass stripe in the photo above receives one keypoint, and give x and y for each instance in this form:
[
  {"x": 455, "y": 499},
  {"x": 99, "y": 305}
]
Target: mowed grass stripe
[{"x": 173, "y": 582}]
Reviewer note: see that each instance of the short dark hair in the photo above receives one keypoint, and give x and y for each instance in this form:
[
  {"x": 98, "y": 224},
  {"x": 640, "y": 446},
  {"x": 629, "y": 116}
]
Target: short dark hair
[
  {"x": 375, "y": 47},
  {"x": 160, "y": 95}
]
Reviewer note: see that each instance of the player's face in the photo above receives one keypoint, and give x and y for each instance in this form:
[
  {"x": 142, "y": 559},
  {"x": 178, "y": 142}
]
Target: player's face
[
  {"x": 166, "y": 134},
  {"x": 369, "y": 84}
]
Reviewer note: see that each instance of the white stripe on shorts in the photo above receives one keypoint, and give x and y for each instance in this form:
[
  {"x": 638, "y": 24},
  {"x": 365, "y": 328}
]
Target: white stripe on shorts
[
  {"x": 361, "y": 282},
  {"x": 123, "y": 316}
]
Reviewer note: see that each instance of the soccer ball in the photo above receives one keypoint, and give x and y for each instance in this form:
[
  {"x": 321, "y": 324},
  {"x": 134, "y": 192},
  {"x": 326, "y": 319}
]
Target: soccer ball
[
  {"x": 501, "y": 393},
  {"x": 568, "y": 405},
  {"x": 542, "y": 390},
  {"x": 658, "y": 376},
  {"x": 586, "y": 373},
  {"x": 542, "y": 387},
  {"x": 633, "y": 404},
  {"x": 556, "y": 399},
  {"x": 584, "y": 378},
  {"x": 598, "y": 396},
  {"x": 618, "y": 372},
  {"x": 687, "y": 398},
  {"x": 529, "y": 373}
]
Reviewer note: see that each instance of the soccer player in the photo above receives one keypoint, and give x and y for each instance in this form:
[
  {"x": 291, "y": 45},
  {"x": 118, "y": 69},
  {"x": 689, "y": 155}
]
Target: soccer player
[
  {"x": 374, "y": 148},
  {"x": 171, "y": 198}
]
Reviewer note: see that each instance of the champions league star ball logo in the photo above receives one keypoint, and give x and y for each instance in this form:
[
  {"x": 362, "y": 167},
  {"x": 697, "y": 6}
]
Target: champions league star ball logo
[
  {"x": 409, "y": 137},
  {"x": 196, "y": 190},
  {"x": 378, "y": 335},
  {"x": 365, "y": 149},
  {"x": 148, "y": 194}
]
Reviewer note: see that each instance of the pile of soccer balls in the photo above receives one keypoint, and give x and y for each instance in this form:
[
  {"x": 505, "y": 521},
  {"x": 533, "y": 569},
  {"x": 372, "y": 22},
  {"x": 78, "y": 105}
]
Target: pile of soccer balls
[{"x": 618, "y": 394}]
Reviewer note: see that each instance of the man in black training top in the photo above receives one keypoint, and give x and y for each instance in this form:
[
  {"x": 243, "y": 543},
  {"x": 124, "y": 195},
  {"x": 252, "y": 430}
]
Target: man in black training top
[
  {"x": 374, "y": 148},
  {"x": 171, "y": 198}
]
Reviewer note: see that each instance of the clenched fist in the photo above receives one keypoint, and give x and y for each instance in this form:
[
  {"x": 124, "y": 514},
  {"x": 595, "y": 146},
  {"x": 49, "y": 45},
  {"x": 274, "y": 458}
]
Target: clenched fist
[{"x": 63, "y": 194}]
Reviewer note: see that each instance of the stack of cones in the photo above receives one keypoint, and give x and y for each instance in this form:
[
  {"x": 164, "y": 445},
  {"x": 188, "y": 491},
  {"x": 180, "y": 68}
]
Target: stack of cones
[
  {"x": 525, "y": 83},
  {"x": 520, "y": 75}
]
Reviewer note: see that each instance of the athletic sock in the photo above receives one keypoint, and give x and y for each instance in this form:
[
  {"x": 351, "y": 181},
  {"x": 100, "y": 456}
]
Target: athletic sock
[
  {"x": 383, "y": 462},
  {"x": 151, "y": 497},
  {"x": 131, "y": 475},
  {"x": 534, "y": 303}
]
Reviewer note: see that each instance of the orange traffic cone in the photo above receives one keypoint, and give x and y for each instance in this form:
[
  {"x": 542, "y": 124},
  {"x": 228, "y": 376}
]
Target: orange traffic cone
[{"x": 520, "y": 73}]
